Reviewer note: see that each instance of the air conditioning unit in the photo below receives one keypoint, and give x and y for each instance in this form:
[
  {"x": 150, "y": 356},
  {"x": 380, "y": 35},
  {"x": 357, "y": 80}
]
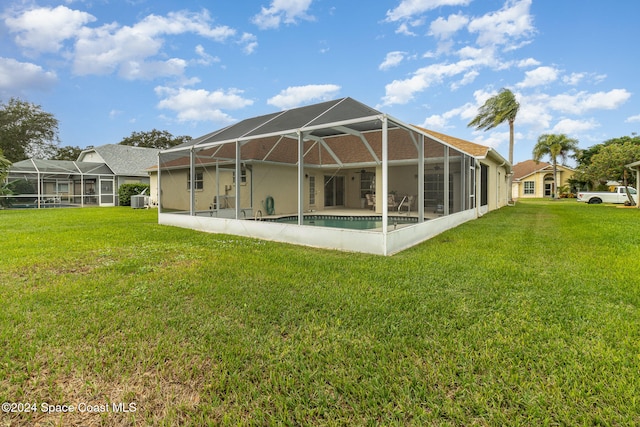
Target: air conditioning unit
[{"x": 139, "y": 201}]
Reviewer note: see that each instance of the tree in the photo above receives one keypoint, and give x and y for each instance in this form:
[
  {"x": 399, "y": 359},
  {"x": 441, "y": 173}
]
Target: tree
[
  {"x": 154, "y": 139},
  {"x": 609, "y": 163},
  {"x": 498, "y": 109},
  {"x": 67, "y": 153},
  {"x": 27, "y": 131},
  {"x": 584, "y": 158},
  {"x": 4, "y": 170},
  {"x": 4, "y": 166},
  {"x": 554, "y": 146}
]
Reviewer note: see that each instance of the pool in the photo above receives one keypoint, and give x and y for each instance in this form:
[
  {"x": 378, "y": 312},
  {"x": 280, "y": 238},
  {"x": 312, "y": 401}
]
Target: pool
[{"x": 367, "y": 222}]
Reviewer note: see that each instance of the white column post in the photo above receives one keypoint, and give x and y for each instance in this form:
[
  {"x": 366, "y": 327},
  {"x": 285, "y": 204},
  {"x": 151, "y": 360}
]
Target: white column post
[
  {"x": 237, "y": 180},
  {"x": 420, "y": 200},
  {"x": 192, "y": 178},
  {"x": 300, "y": 178},
  {"x": 385, "y": 177}
]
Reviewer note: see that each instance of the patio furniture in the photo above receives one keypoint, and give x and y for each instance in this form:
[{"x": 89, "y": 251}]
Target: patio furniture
[
  {"x": 371, "y": 201},
  {"x": 391, "y": 201}
]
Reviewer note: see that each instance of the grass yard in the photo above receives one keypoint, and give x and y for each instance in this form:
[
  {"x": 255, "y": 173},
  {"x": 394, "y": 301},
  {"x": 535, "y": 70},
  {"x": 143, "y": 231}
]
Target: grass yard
[{"x": 527, "y": 316}]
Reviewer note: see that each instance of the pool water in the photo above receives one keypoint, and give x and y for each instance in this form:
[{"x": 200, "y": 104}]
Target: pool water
[{"x": 350, "y": 222}]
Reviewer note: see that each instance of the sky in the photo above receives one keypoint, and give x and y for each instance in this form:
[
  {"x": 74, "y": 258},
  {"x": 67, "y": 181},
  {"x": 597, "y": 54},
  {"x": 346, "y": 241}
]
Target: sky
[{"x": 108, "y": 68}]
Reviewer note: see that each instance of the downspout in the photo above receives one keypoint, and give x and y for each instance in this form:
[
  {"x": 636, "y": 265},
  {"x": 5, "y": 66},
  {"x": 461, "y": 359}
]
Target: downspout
[
  {"x": 509, "y": 199},
  {"x": 478, "y": 187},
  {"x": 158, "y": 188}
]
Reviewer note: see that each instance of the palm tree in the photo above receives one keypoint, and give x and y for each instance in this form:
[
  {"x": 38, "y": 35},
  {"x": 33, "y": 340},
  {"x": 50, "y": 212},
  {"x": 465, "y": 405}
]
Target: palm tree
[
  {"x": 498, "y": 109},
  {"x": 554, "y": 146}
]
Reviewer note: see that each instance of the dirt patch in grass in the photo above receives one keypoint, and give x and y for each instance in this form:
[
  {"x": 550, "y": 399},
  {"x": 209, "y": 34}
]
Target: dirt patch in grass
[{"x": 139, "y": 397}]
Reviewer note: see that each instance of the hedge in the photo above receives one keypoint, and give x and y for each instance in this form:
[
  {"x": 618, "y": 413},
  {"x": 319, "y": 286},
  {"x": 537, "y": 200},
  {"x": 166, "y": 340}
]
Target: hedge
[{"x": 127, "y": 190}]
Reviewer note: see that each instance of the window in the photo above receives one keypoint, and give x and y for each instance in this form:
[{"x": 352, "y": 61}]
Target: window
[
  {"x": 367, "y": 183},
  {"x": 312, "y": 190},
  {"x": 199, "y": 180},
  {"x": 243, "y": 174},
  {"x": 529, "y": 187}
]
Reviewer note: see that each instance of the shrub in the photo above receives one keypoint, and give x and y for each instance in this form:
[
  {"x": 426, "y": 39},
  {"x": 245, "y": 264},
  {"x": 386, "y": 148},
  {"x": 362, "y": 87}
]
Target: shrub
[{"x": 127, "y": 190}]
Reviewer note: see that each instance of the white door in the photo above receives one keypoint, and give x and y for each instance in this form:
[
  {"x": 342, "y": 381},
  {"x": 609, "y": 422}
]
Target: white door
[{"x": 107, "y": 196}]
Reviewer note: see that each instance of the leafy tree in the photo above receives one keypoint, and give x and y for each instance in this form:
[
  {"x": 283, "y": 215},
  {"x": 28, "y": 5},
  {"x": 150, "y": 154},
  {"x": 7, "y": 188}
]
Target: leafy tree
[
  {"x": 609, "y": 163},
  {"x": 4, "y": 166},
  {"x": 154, "y": 139},
  {"x": 584, "y": 158},
  {"x": 27, "y": 131},
  {"x": 4, "y": 187},
  {"x": 498, "y": 109},
  {"x": 67, "y": 153},
  {"x": 554, "y": 146}
]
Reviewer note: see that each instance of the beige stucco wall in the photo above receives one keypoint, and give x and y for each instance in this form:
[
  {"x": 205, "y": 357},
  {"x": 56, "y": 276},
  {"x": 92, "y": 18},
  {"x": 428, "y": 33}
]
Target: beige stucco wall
[
  {"x": 497, "y": 184},
  {"x": 280, "y": 182},
  {"x": 539, "y": 178}
]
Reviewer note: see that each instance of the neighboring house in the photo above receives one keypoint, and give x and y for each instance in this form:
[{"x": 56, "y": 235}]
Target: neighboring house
[
  {"x": 93, "y": 179},
  {"x": 635, "y": 166},
  {"x": 129, "y": 164},
  {"x": 535, "y": 179},
  {"x": 338, "y": 174}
]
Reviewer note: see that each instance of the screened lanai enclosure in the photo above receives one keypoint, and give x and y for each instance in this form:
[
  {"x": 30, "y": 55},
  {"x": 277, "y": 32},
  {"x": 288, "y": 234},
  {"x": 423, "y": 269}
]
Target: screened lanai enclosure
[
  {"x": 337, "y": 175},
  {"x": 37, "y": 183}
]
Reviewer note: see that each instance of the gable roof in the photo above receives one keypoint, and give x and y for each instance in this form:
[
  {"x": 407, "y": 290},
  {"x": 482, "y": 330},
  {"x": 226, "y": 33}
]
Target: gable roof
[
  {"x": 529, "y": 167},
  {"x": 125, "y": 160}
]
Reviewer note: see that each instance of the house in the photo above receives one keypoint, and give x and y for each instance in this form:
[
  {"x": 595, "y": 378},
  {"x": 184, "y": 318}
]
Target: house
[
  {"x": 535, "y": 179},
  {"x": 337, "y": 174},
  {"x": 93, "y": 179},
  {"x": 635, "y": 166}
]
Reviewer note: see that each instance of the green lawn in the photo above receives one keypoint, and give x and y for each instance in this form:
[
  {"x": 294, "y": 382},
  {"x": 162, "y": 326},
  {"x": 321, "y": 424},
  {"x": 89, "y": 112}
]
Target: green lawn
[{"x": 527, "y": 316}]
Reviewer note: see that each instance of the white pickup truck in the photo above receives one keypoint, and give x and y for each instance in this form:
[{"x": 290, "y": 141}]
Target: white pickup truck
[{"x": 617, "y": 196}]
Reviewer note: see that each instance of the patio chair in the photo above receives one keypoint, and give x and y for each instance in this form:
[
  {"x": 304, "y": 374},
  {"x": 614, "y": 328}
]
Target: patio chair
[
  {"x": 391, "y": 201},
  {"x": 371, "y": 201}
]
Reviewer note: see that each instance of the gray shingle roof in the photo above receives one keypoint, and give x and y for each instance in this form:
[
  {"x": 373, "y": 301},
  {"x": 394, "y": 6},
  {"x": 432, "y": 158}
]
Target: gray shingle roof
[{"x": 125, "y": 160}]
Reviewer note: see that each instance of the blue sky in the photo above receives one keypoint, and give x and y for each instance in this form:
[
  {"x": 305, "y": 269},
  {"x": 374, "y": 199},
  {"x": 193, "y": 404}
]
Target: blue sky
[{"x": 108, "y": 68}]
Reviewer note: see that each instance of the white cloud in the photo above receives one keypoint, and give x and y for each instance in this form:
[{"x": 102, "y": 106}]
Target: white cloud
[
  {"x": 392, "y": 59},
  {"x": 402, "y": 91},
  {"x": 571, "y": 126},
  {"x": 16, "y": 77},
  {"x": 581, "y": 102},
  {"x": 494, "y": 139},
  {"x": 505, "y": 26},
  {"x": 108, "y": 48},
  {"x": 445, "y": 28},
  {"x": 201, "y": 105},
  {"x": 134, "y": 52},
  {"x": 441, "y": 121},
  {"x": 573, "y": 79},
  {"x": 529, "y": 62},
  {"x": 205, "y": 58},
  {"x": 539, "y": 77},
  {"x": 468, "y": 78},
  {"x": 45, "y": 29},
  {"x": 404, "y": 29},
  {"x": 300, "y": 95},
  {"x": 250, "y": 43},
  {"x": 633, "y": 119},
  {"x": 409, "y": 8},
  {"x": 282, "y": 11}
]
